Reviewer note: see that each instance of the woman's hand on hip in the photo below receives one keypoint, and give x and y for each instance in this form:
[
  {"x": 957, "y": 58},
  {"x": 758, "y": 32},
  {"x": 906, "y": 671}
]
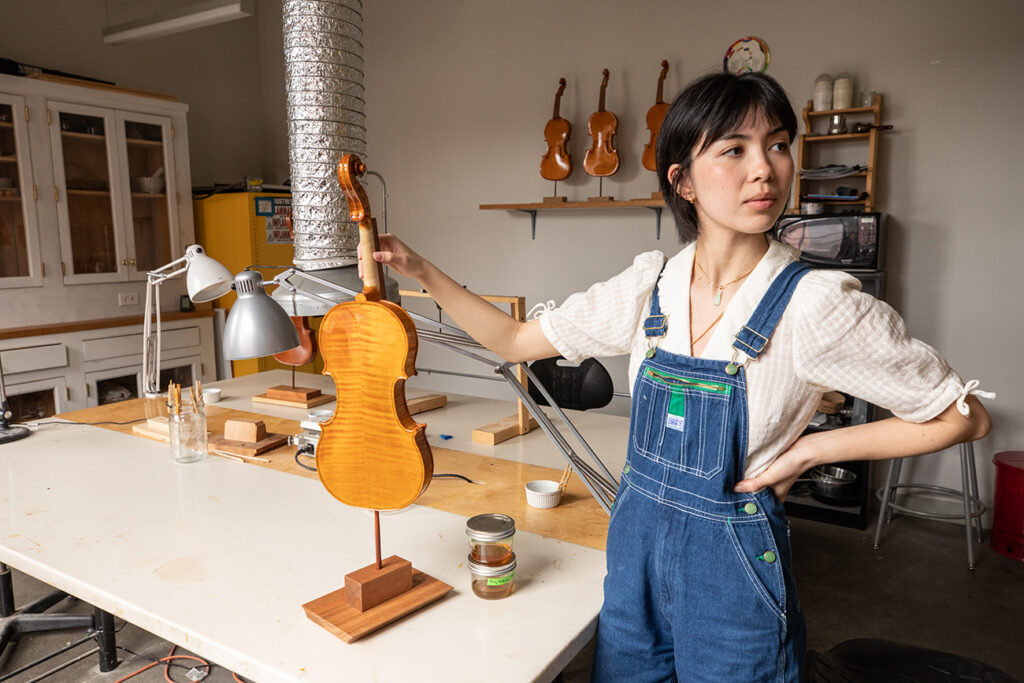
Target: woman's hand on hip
[{"x": 784, "y": 471}]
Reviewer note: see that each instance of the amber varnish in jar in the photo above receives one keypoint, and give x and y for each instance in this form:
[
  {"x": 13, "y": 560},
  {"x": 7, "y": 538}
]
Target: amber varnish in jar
[
  {"x": 490, "y": 539},
  {"x": 493, "y": 582}
]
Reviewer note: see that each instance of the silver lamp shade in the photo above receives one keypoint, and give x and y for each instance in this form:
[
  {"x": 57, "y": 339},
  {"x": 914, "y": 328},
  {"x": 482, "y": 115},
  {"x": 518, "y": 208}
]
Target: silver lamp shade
[
  {"x": 256, "y": 326},
  {"x": 207, "y": 278}
]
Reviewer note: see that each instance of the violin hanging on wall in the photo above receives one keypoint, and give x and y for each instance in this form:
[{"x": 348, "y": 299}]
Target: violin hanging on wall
[
  {"x": 602, "y": 159},
  {"x": 556, "y": 164},
  {"x": 655, "y": 115}
]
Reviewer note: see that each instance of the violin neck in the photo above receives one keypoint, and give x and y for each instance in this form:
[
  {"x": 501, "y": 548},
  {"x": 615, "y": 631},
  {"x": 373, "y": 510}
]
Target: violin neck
[
  {"x": 558, "y": 99},
  {"x": 600, "y": 104},
  {"x": 373, "y": 271}
]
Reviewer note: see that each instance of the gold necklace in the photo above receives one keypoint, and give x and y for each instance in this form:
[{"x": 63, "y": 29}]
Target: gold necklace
[
  {"x": 717, "y": 299},
  {"x": 693, "y": 342}
]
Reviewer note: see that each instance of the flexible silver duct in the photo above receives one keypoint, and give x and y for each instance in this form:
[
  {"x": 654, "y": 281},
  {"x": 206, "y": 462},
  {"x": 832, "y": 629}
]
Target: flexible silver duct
[{"x": 323, "y": 52}]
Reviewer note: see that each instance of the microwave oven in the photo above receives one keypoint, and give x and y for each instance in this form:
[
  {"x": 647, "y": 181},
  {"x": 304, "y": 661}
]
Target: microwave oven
[{"x": 850, "y": 241}]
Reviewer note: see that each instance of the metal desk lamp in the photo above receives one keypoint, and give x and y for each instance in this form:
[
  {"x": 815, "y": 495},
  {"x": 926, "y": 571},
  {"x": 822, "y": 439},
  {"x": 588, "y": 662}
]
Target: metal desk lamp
[
  {"x": 258, "y": 326},
  {"x": 206, "y": 279},
  {"x": 8, "y": 433}
]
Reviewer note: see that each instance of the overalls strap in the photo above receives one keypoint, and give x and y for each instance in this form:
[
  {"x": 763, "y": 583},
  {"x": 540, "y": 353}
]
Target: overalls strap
[
  {"x": 656, "y": 324},
  {"x": 753, "y": 337}
]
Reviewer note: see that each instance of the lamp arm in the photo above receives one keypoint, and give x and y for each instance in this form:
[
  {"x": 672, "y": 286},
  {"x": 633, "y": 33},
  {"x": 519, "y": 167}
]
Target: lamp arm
[
  {"x": 281, "y": 280},
  {"x": 159, "y": 274},
  {"x": 151, "y": 341}
]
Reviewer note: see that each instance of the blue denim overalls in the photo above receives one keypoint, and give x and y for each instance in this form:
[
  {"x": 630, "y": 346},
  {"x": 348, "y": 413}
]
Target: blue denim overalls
[{"x": 699, "y": 584}]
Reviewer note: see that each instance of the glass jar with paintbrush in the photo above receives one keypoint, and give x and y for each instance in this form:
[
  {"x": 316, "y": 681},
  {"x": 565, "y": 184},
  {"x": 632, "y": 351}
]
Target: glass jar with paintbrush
[{"x": 186, "y": 424}]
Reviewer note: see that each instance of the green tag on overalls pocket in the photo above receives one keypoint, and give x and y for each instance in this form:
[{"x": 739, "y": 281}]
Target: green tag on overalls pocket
[{"x": 676, "y": 409}]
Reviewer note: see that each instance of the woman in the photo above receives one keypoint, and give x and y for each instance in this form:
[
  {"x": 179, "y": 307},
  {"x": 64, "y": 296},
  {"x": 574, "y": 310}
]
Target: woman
[{"x": 731, "y": 344}]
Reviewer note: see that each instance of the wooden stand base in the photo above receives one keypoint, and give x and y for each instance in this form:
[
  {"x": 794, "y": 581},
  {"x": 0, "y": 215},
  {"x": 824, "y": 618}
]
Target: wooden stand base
[
  {"x": 269, "y": 443},
  {"x": 601, "y": 199},
  {"x": 502, "y": 430},
  {"x": 296, "y": 397},
  {"x": 338, "y": 611},
  {"x": 555, "y": 200}
]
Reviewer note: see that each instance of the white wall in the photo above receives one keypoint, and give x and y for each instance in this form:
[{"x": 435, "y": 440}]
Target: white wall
[{"x": 458, "y": 92}]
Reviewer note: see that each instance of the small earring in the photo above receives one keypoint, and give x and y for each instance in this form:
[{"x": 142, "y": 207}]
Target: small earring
[{"x": 689, "y": 198}]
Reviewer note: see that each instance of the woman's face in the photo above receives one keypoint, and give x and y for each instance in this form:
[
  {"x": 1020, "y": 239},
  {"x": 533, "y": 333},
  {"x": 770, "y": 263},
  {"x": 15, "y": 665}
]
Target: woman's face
[{"x": 740, "y": 182}]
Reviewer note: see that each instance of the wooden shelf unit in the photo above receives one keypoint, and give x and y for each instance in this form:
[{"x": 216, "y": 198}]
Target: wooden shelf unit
[
  {"x": 808, "y": 138},
  {"x": 656, "y": 205}
]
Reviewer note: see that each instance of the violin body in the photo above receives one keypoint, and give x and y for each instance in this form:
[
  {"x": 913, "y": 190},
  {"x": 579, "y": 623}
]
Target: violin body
[
  {"x": 371, "y": 453},
  {"x": 306, "y": 350},
  {"x": 602, "y": 159},
  {"x": 556, "y": 164},
  {"x": 655, "y": 115}
]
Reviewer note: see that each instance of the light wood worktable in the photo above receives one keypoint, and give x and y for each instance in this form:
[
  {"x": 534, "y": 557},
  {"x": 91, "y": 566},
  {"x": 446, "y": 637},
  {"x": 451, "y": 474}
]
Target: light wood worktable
[{"x": 218, "y": 556}]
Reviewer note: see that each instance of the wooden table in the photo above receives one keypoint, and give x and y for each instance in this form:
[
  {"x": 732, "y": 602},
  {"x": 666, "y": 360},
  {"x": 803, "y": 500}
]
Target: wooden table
[{"x": 218, "y": 556}]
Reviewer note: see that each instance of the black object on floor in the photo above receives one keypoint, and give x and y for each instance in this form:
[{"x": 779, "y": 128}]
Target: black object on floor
[{"x": 868, "y": 660}]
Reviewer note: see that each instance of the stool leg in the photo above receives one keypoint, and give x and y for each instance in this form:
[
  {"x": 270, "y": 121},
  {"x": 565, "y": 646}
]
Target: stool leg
[
  {"x": 973, "y": 469},
  {"x": 886, "y": 494},
  {"x": 893, "y": 484},
  {"x": 968, "y": 522}
]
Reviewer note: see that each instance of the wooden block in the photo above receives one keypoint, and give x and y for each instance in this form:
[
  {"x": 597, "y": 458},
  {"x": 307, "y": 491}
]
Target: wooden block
[
  {"x": 424, "y": 403},
  {"x": 555, "y": 200},
  {"x": 158, "y": 424},
  {"x": 245, "y": 430},
  {"x": 219, "y": 443},
  {"x": 601, "y": 199},
  {"x": 287, "y": 393},
  {"x": 369, "y": 586},
  {"x": 333, "y": 612},
  {"x": 315, "y": 401},
  {"x": 499, "y": 431},
  {"x": 657, "y": 195}
]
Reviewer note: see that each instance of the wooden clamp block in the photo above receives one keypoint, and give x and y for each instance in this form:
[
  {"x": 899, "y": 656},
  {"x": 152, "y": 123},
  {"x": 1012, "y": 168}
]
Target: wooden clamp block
[
  {"x": 502, "y": 430},
  {"x": 287, "y": 393},
  {"x": 369, "y": 586},
  {"x": 246, "y": 430}
]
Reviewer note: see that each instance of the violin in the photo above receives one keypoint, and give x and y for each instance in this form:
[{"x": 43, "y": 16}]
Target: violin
[
  {"x": 602, "y": 159},
  {"x": 556, "y": 164},
  {"x": 655, "y": 115},
  {"x": 371, "y": 453},
  {"x": 306, "y": 350}
]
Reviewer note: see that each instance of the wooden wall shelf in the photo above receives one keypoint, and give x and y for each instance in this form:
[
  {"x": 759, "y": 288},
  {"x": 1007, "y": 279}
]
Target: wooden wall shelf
[{"x": 655, "y": 205}]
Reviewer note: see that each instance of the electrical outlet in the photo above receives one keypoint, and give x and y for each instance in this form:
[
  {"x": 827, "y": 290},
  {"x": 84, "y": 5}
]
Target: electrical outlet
[{"x": 127, "y": 298}]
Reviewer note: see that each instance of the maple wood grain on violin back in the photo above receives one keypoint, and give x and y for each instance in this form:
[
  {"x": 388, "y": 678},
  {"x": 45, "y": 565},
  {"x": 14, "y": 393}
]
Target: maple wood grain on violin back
[
  {"x": 556, "y": 164},
  {"x": 602, "y": 159},
  {"x": 655, "y": 116},
  {"x": 371, "y": 453}
]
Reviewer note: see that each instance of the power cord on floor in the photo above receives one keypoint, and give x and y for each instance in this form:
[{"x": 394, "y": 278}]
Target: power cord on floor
[
  {"x": 34, "y": 425},
  {"x": 169, "y": 661}
]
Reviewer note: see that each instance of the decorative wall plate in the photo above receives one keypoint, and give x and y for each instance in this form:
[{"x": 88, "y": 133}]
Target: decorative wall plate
[{"x": 746, "y": 55}]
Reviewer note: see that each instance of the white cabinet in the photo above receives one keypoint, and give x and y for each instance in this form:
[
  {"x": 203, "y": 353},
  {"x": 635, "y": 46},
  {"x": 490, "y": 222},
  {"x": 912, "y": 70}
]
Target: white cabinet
[
  {"x": 37, "y": 399},
  {"x": 20, "y": 264},
  {"x": 103, "y": 387},
  {"x": 96, "y": 178}
]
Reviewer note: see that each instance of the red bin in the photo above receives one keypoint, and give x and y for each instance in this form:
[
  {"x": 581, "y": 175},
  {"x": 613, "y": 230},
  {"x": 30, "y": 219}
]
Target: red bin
[{"x": 1008, "y": 508}]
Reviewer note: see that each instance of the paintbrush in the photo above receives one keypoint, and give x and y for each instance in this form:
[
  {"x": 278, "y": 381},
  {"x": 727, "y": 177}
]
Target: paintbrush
[{"x": 565, "y": 477}]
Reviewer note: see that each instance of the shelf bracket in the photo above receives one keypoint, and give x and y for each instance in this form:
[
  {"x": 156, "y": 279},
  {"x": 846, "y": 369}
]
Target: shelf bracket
[
  {"x": 657, "y": 220},
  {"x": 533, "y": 221}
]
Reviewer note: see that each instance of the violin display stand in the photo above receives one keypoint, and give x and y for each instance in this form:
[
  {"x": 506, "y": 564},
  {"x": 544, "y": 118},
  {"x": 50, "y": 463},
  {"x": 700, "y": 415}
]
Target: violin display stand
[
  {"x": 295, "y": 397},
  {"x": 555, "y": 200},
  {"x": 600, "y": 191},
  {"x": 374, "y": 597},
  {"x": 243, "y": 436}
]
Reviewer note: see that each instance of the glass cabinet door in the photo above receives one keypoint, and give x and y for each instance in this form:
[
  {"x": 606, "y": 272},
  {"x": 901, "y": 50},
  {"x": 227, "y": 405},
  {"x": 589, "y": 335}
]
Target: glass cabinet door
[
  {"x": 88, "y": 194},
  {"x": 151, "y": 210},
  {"x": 19, "y": 236}
]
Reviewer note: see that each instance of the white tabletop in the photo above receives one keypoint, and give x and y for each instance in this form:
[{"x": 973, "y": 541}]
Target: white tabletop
[{"x": 219, "y": 557}]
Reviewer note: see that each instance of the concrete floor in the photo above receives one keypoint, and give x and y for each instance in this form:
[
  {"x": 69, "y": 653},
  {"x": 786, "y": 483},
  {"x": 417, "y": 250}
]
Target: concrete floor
[{"x": 916, "y": 589}]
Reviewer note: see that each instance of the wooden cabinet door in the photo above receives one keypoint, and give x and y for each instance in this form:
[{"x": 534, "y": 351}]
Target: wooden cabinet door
[{"x": 20, "y": 262}]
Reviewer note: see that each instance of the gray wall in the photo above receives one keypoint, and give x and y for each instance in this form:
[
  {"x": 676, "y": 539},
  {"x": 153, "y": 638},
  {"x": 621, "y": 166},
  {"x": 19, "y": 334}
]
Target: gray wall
[{"x": 458, "y": 93}]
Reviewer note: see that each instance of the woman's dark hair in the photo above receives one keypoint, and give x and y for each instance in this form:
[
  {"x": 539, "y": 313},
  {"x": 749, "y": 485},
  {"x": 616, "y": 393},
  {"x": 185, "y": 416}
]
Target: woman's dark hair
[{"x": 706, "y": 110}]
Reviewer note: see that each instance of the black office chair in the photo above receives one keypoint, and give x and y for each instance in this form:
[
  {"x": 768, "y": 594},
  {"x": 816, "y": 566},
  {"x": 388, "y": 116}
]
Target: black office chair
[
  {"x": 868, "y": 660},
  {"x": 30, "y": 619},
  {"x": 577, "y": 387}
]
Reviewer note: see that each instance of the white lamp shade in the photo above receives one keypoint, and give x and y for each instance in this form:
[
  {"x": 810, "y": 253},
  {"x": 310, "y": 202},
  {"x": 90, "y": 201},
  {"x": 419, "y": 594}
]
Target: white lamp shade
[
  {"x": 256, "y": 326},
  {"x": 207, "y": 278}
]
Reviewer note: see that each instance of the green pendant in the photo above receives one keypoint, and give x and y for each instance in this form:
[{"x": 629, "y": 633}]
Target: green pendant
[
  {"x": 717, "y": 301},
  {"x": 732, "y": 369},
  {"x": 650, "y": 352}
]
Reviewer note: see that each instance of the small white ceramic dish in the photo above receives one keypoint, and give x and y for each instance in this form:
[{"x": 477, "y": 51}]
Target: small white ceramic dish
[
  {"x": 211, "y": 394},
  {"x": 543, "y": 493}
]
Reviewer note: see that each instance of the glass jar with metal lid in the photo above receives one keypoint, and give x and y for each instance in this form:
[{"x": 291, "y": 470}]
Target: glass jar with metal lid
[
  {"x": 493, "y": 582},
  {"x": 490, "y": 538}
]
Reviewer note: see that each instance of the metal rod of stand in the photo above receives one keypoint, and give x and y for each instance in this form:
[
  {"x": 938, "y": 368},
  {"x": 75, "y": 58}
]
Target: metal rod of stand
[{"x": 376, "y": 536}]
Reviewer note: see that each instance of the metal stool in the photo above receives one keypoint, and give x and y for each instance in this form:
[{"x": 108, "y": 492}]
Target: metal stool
[{"x": 973, "y": 507}]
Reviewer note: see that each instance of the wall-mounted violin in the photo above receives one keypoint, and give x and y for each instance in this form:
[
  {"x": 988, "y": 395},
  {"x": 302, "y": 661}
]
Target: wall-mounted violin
[
  {"x": 602, "y": 159},
  {"x": 556, "y": 164},
  {"x": 655, "y": 115}
]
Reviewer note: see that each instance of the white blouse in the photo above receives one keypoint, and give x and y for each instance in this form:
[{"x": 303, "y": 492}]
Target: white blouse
[{"x": 832, "y": 336}]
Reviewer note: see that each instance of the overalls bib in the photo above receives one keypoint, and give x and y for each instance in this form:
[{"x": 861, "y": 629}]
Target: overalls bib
[{"x": 699, "y": 584}]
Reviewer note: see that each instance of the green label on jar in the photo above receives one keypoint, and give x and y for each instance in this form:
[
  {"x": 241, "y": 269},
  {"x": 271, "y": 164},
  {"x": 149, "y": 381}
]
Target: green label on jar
[{"x": 500, "y": 580}]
